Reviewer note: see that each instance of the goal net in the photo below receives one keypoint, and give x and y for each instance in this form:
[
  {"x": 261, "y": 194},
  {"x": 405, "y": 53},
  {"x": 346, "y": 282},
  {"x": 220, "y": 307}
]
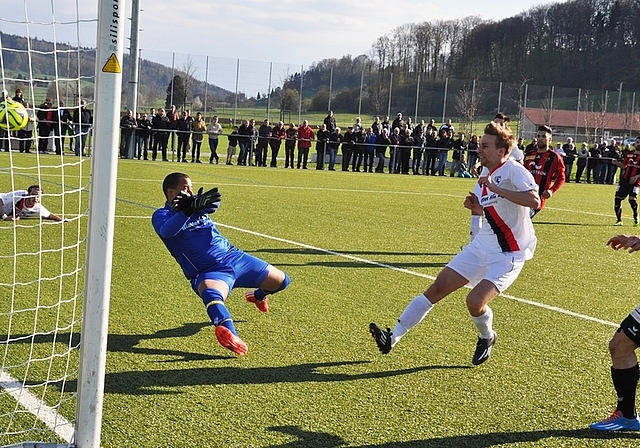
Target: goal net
[{"x": 52, "y": 59}]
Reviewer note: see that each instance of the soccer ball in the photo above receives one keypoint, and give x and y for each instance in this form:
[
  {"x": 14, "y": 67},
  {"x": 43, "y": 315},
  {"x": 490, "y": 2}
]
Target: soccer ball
[{"x": 13, "y": 115}]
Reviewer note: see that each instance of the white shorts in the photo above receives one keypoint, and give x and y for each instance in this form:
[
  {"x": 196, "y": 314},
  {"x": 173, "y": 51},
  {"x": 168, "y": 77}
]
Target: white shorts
[{"x": 500, "y": 268}]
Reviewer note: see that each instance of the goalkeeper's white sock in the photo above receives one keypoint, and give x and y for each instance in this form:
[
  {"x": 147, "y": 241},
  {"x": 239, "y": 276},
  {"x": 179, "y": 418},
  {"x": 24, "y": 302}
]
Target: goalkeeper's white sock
[
  {"x": 410, "y": 317},
  {"x": 484, "y": 324}
]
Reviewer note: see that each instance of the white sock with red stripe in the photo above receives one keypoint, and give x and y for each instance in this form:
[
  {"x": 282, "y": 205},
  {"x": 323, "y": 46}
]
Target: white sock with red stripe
[{"x": 410, "y": 317}]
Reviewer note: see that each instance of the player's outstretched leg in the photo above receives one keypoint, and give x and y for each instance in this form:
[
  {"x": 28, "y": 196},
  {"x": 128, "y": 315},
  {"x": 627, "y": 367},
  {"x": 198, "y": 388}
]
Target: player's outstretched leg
[
  {"x": 220, "y": 317},
  {"x": 382, "y": 338},
  {"x": 259, "y": 297},
  {"x": 227, "y": 339},
  {"x": 262, "y": 304}
]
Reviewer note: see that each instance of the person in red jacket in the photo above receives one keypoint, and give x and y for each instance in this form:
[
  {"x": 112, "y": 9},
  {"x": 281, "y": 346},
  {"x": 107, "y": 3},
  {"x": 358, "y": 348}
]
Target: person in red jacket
[
  {"x": 278, "y": 134},
  {"x": 546, "y": 166},
  {"x": 305, "y": 136}
]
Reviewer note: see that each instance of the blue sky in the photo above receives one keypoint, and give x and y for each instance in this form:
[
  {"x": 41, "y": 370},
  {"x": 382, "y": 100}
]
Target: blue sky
[{"x": 290, "y": 34}]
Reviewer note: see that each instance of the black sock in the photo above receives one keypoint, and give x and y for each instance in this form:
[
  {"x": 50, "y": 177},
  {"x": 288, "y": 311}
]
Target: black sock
[{"x": 625, "y": 382}]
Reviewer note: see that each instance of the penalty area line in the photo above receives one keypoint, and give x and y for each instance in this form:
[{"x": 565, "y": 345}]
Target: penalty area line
[
  {"x": 46, "y": 414},
  {"x": 418, "y": 274}
]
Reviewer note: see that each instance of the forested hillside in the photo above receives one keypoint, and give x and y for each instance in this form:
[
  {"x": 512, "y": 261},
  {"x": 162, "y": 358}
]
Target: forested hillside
[
  {"x": 579, "y": 43},
  {"x": 44, "y": 66}
]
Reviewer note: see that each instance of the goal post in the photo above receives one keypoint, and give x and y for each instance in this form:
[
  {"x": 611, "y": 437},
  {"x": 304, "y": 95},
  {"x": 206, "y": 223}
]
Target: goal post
[
  {"x": 102, "y": 204},
  {"x": 55, "y": 269}
]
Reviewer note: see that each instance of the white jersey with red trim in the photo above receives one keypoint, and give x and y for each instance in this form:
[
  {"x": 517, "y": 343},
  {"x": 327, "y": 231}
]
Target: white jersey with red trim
[
  {"x": 9, "y": 199},
  {"x": 506, "y": 226},
  {"x": 38, "y": 210}
]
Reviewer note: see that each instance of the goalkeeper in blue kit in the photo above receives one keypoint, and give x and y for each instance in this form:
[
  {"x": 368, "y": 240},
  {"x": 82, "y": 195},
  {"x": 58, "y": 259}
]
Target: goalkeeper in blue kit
[{"x": 211, "y": 263}]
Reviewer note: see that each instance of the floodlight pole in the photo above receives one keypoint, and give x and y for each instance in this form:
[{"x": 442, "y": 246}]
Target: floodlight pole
[
  {"x": 360, "y": 97},
  {"x": 133, "y": 70},
  {"x": 415, "y": 116},
  {"x": 330, "y": 88},
  {"x": 444, "y": 102}
]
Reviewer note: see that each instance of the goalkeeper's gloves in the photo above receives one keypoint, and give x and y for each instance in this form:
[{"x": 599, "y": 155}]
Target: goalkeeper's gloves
[{"x": 207, "y": 202}]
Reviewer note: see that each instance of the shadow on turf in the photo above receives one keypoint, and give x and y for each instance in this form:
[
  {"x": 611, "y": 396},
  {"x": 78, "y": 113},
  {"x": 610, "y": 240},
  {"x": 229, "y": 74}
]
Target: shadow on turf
[
  {"x": 308, "y": 438},
  {"x": 128, "y": 342},
  {"x": 305, "y": 251},
  {"x": 549, "y": 223},
  {"x": 153, "y": 382},
  {"x": 359, "y": 264}
]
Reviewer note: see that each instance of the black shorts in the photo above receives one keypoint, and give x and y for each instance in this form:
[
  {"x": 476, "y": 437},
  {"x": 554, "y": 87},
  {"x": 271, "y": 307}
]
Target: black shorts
[
  {"x": 631, "y": 327},
  {"x": 626, "y": 189}
]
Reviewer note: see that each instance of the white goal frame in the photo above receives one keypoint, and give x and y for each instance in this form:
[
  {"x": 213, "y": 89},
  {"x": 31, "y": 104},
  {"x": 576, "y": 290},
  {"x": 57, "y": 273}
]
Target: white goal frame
[
  {"x": 84, "y": 429},
  {"x": 102, "y": 204}
]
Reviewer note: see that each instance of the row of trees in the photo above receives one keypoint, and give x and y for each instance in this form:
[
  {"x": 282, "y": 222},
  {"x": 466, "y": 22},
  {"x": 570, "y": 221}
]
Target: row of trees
[
  {"x": 591, "y": 44},
  {"x": 580, "y": 43}
]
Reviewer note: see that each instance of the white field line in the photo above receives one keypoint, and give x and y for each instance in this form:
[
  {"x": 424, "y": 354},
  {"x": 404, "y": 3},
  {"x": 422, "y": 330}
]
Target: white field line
[
  {"x": 49, "y": 416},
  {"x": 418, "y": 274},
  {"x": 355, "y": 190},
  {"x": 405, "y": 271},
  {"x": 64, "y": 429}
]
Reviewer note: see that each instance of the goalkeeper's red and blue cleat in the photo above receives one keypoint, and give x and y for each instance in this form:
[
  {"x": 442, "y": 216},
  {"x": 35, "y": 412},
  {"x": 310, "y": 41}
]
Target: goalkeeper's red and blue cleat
[
  {"x": 262, "y": 305},
  {"x": 617, "y": 422},
  {"x": 229, "y": 340}
]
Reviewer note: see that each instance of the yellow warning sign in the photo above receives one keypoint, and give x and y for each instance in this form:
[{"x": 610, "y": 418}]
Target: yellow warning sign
[{"x": 112, "y": 65}]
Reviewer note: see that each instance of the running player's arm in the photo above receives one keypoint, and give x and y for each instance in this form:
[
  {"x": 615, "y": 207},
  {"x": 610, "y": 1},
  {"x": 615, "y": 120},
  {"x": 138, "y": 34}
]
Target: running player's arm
[
  {"x": 560, "y": 176},
  {"x": 529, "y": 198},
  {"x": 472, "y": 203}
]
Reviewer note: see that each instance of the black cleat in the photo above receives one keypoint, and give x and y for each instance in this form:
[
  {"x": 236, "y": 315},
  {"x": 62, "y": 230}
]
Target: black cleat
[
  {"x": 383, "y": 338},
  {"x": 483, "y": 349}
]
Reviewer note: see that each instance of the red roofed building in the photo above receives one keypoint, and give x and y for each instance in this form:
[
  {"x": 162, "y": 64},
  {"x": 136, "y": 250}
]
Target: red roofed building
[{"x": 583, "y": 126}]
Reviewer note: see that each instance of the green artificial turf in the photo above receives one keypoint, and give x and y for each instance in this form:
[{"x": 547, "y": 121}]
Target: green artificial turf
[{"x": 358, "y": 248}]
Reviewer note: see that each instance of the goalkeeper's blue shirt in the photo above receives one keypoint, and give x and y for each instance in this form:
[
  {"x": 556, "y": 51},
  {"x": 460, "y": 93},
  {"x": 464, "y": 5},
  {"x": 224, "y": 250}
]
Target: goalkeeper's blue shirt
[{"x": 194, "y": 241}]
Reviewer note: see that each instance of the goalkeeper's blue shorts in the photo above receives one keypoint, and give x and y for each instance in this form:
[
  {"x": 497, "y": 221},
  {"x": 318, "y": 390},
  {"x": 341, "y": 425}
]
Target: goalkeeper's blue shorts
[{"x": 237, "y": 269}]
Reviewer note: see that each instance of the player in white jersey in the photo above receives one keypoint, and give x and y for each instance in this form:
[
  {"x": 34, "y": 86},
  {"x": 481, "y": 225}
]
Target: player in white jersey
[
  {"x": 502, "y": 239},
  {"x": 20, "y": 204},
  {"x": 7, "y": 200}
]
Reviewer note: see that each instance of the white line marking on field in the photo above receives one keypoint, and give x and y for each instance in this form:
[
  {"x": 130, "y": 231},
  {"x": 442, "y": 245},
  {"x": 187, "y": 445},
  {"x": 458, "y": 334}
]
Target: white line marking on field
[
  {"x": 418, "y": 274},
  {"x": 54, "y": 421},
  {"x": 355, "y": 190},
  {"x": 406, "y": 271}
]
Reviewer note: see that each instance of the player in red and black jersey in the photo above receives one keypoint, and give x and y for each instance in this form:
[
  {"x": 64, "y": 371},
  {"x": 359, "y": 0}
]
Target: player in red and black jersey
[
  {"x": 546, "y": 166},
  {"x": 629, "y": 184}
]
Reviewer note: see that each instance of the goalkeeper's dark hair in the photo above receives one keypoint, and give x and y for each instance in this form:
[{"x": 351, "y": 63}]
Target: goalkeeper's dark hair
[
  {"x": 172, "y": 181},
  {"x": 504, "y": 137}
]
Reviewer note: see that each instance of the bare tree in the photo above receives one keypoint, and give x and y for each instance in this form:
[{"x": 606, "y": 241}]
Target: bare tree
[
  {"x": 630, "y": 117},
  {"x": 516, "y": 96},
  {"x": 467, "y": 102},
  {"x": 189, "y": 68},
  {"x": 596, "y": 118},
  {"x": 289, "y": 102},
  {"x": 546, "y": 104}
]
